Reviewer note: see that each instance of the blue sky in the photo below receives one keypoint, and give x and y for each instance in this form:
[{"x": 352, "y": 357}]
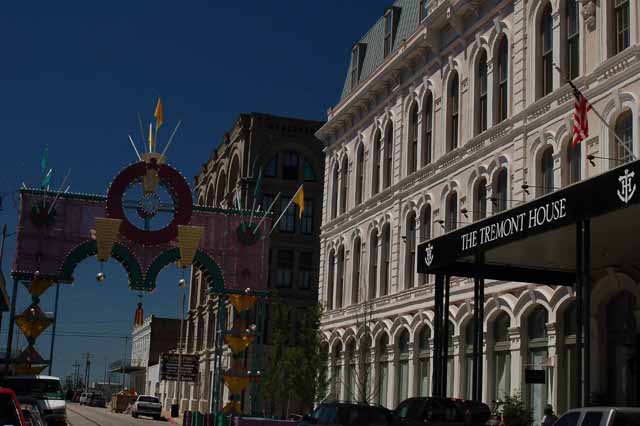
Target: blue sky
[{"x": 74, "y": 74}]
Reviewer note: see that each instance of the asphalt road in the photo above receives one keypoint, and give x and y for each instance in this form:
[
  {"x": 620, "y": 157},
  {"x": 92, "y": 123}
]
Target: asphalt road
[{"x": 78, "y": 415}]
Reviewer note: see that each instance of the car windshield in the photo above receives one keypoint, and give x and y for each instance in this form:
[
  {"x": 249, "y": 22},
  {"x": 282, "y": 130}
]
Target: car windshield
[
  {"x": 36, "y": 388},
  {"x": 148, "y": 399}
]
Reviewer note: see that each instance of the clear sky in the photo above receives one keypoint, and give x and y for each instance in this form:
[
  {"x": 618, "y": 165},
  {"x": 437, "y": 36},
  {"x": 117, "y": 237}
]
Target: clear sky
[{"x": 74, "y": 74}]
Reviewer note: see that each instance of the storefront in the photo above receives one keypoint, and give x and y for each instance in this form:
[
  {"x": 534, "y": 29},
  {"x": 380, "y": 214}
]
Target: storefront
[{"x": 566, "y": 238}]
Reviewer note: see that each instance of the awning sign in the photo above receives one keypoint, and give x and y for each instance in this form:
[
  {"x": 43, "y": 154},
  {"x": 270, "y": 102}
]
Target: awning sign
[{"x": 604, "y": 193}]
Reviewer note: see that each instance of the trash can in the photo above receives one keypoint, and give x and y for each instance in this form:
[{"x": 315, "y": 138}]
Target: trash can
[{"x": 175, "y": 410}]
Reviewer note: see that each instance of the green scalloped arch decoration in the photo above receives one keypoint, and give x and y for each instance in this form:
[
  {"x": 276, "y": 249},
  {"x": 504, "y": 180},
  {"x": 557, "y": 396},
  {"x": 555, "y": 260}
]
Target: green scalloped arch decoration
[
  {"x": 201, "y": 260},
  {"x": 119, "y": 252}
]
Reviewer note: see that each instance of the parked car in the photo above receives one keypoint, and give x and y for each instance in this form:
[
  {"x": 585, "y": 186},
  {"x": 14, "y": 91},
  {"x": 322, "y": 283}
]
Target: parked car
[
  {"x": 10, "y": 411},
  {"x": 600, "y": 416},
  {"x": 32, "y": 415},
  {"x": 441, "y": 411},
  {"x": 84, "y": 398},
  {"x": 43, "y": 391},
  {"x": 96, "y": 400},
  {"x": 349, "y": 414},
  {"x": 147, "y": 405}
]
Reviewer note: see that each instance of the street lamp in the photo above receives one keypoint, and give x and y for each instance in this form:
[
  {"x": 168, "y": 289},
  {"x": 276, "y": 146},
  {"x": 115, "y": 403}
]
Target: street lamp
[{"x": 175, "y": 408}]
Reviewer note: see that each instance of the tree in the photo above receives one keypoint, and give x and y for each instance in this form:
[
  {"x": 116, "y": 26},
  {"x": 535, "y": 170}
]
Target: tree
[
  {"x": 294, "y": 378},
  {"x": 364, "y": 391}
]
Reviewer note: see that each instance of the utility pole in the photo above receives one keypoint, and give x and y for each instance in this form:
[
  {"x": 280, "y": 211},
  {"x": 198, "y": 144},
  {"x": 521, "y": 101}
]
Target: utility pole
[
  {"x": 87, "y": 370},
  {"x": 124, "y": 359},
  {"x": 76, "y": 375}
]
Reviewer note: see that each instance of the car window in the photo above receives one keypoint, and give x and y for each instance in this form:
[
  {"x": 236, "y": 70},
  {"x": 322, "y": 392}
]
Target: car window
[
  {"x": 8, "y": 411},
  {"x": 148, "y": 399},
  {"x": 327, "y": 415},
  {"x": 569, "y": 419},
  {"x": 592, "y": 418},
  {"x": 403, "y": 409},
  {"x": 626, "y": 419}
]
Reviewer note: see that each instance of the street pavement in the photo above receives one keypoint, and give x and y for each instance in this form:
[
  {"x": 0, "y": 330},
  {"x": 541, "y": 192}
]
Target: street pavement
[{"x": 80, "y": 415}]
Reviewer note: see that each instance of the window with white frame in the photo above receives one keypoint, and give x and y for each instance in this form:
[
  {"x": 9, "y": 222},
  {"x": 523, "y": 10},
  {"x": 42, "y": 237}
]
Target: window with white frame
[
  {"x": 453, "y": 113},
  {"x": 410, "y": 251},
  {"x": 481, "y": 93},
  {"x": 502, "y": 81},
  {"x": 412, "y": 158},
  {"x": 427, "y": 125},
  {"x": 546, "y": 51}
]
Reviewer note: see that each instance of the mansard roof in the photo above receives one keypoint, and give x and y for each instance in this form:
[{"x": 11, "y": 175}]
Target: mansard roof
[{"x": 406, "y": 23}]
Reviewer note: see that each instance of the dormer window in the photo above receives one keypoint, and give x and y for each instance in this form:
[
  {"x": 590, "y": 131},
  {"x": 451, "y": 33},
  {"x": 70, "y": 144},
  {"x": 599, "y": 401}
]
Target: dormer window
[
  {"x": 424, "y": 9},
  {"x": 388, "y": 32},
  {"x": 355, "y": 66}
]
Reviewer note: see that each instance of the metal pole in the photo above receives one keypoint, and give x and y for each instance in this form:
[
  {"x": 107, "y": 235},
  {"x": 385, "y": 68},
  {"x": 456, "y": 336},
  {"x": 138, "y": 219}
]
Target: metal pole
[
  {"x": 53, "y": 331},
  {"x": 437, "y": 326},
  {"x": 4, "y": 236},
  {"x": 480, "y": 329},
  {"x": 579, "y": 313},
  {"x": 124, "y": 359},
  {"x": 587, "y": 311},
  {"x": 445, "y": 335},
  {"x": 476, "y": 298},
  {"x": 178, "y": 393},
  {"x": 12, "y": 320}
]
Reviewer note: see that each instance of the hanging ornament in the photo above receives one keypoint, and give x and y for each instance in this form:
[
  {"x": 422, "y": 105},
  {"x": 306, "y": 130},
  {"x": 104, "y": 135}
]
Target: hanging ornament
[{"x": 138, "y": 318}]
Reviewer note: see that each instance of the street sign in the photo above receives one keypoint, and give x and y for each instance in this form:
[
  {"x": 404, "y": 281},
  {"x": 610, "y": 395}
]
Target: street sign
[
  {"x": 534, "y": 376},
  {"x": 188, "y": 367}
]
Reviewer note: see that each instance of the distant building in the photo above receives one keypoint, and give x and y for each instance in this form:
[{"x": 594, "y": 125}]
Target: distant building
[
  {"x": 155, "y": 336},
  {"x": 289, "y": 155}
]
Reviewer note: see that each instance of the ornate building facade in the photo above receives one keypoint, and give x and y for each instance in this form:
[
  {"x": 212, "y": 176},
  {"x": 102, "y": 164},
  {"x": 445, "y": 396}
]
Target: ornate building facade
[
  {"x": 289, "y": 155},
  {"x": 453, "y": 110}
]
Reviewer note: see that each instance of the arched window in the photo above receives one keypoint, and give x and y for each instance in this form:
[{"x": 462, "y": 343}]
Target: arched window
[
  {"x": 425, "y": 375},
  {"x": 383, "y": 369},
  {"x": 427, "y": 125},
  {"x": 375, "y": 178},
  {"x": 221, "y": 189},
  {"x": 480, "y": 199},
  {"x": 271, "y": 169},
  {"x": 425, "y": 233},
  {"x": 410, "y": 251},
  {"x": 546, "y": 51},
  {"x": 502, "y": 81},
  {"x": 388, "y": 155},
  {"x": 210, "y": 198},
  {"x": 334, "y": 191},
  {"x": 621, "y": 347},
  {"x": 569, "y": 359},
  {"x": 402, "y": 374},
  {"x": 331, "y": 272},
  {"x": 335, "y": 374},
  {"x": 359, "y": 174},
  {"x": 454, "y": 112},
  {"x": 364, "y": 391},
  {"x": 373, "y": 265},
  {"x": 624, "y": 131},
  {"x": 469, "y": 332},
  {"x": 386, "y": 260},
  {"x": 621, "y": 25},
  {"x": 412, "y": 159},
  {"x": 340, "y": 283},
  {"x": 537, "y": 343},
  {"x": 481, "y": 93},
  {"x": 344, "y": 174},
  {"x": 350, "y": 376},
  {"x": 355, "y": 281},
  {"x": 501, "y": 191},
  {"x": 546, "y": 184},
  {"x": 451, "y": 221},
  {"x": 501, "y": 356},
  {"x": 450, "y": 360},
  {"x": 574, "y": 162},
  {"x": 572, "y": 47}
]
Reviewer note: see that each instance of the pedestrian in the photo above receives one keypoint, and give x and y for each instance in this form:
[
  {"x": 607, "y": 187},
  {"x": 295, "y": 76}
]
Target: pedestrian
[{"x": 549, "y": 416}]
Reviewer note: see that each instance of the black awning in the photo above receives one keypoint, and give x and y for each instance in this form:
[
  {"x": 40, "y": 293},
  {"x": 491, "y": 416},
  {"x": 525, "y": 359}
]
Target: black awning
[{"x": 536, "y": 241}]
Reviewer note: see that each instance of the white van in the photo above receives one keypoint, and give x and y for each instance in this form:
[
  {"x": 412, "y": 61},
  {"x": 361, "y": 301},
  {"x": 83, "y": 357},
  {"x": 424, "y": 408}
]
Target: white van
[{"x": 43, "y": 391}]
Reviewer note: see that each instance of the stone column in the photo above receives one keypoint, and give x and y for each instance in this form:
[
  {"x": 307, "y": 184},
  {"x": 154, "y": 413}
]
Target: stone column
[
  {"x": 517, "y": 382},
  {"x": 393, "y": 368},
  {"x": 412, "y": 370},
  {"x": 557, "y": 41},
  {"x": 458, "y": 359},
  {"x": 491, "y": 86}
]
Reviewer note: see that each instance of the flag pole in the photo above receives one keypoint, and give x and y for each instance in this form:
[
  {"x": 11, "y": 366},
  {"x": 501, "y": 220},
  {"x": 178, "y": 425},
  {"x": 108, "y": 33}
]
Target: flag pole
[
  {"x": 134, "y": 147},
  {"x": 597, "y": 113},
  {"x": 284, "y": 211},
  {"x": 267, "y": 211}
]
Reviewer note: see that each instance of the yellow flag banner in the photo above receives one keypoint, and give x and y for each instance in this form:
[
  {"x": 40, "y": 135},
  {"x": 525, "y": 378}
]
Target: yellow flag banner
[
  {"x": 158, "y": 114},
  {"x": 236, "y": 384},
  {"x": 298, "y": 200}
]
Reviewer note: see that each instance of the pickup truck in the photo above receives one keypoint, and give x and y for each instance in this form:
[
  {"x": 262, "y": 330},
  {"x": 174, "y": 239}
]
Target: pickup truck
[
  {"x": 600, "y": 416},
  {"x": 147, "y": 405}
]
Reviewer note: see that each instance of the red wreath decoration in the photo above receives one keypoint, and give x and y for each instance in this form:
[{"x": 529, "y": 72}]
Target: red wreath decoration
[{"x": 176, "y": 186}]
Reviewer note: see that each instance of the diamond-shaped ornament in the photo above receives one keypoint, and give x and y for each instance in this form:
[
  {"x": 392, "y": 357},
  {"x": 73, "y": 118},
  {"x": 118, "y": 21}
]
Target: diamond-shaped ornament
[
  {"x": 32, "y": 322},
  {"x": 37, "y": 286},
  {"x": 30, "y": 356}
]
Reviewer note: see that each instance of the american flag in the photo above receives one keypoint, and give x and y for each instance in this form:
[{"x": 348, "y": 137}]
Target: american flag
[{"x": 580, "y": 120}]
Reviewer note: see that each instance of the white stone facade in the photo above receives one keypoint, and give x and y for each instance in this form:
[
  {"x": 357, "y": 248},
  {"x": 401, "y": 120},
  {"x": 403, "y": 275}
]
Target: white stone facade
[{"x": 518, "y": 158}]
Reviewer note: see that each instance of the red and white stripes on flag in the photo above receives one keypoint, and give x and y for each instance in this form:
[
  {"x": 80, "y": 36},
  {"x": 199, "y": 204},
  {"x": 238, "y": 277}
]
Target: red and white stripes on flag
[{"x": 580, "y": 120}]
